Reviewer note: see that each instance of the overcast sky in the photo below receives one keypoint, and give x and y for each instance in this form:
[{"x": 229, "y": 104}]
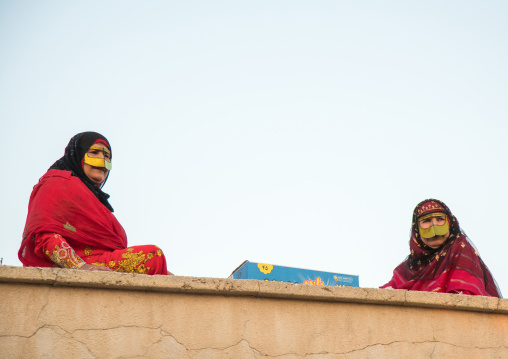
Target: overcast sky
[{"x": 297, "y": 133}]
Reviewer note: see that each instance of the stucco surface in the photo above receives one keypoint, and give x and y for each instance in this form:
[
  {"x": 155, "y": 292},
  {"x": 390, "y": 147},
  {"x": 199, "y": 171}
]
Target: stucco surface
[{"x": 53, "y": 313}]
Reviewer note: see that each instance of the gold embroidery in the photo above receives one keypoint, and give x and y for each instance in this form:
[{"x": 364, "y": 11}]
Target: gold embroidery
[
  {"x": 69, "y": 227},
  {"x": 142, "y": 269},
  {"x": 430, "y": 206},
  {"x": 437, "y": 257},
  {"x": 133, "y": 262},
  {"x": 65, "y": 256},
  {"x": 462, "y": 245},
  {"x": 88, "y": 250}
]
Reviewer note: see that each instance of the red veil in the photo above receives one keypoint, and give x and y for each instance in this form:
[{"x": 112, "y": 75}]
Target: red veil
[
  {"x": 62, "y": 203},
  {"x": 454, "y": 267}
]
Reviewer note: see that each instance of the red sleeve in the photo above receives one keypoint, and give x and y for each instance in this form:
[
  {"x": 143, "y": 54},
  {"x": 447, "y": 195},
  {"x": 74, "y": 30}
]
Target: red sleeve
[{"x": 54, "y": 246}]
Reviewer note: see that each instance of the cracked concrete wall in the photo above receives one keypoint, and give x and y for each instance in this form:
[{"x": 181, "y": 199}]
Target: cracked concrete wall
[{"x": 54, "y": 313}]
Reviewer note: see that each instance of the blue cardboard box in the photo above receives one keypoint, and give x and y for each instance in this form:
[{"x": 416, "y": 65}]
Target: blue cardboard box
[{"x": 270, "y": 272}]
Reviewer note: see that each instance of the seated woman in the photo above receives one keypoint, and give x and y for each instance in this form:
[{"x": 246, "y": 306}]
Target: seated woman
[
  {"x": 442, "y": 259},
  {"x": 70, "y": 223}
]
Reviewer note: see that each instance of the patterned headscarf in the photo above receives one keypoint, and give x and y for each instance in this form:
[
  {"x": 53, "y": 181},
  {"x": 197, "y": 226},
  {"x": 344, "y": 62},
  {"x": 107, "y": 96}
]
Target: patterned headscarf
[
  {"x": 72, "y": 161},
  {"x": 429, "y": 206},
  {"x": 420, "y": 252}
]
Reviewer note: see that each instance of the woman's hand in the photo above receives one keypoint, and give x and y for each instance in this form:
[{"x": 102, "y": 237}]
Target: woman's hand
[{"x": 94, "y": 267}]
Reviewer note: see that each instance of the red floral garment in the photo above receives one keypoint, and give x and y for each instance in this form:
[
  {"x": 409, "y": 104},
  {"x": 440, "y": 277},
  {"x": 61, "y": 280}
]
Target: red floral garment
[
  {"x": 146, "y": 259},
  {"x": 53, "y": 246},
  {"x": 62, "y": 204}
]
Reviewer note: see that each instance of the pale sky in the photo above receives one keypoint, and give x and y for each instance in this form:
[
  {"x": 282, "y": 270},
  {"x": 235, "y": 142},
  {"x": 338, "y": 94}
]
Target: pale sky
[{"x": 295, "y": 133}]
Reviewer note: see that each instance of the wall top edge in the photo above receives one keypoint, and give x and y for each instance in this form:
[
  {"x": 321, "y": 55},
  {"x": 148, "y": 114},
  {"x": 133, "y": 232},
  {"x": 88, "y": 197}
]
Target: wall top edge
[{"x": 250, "y": 288}]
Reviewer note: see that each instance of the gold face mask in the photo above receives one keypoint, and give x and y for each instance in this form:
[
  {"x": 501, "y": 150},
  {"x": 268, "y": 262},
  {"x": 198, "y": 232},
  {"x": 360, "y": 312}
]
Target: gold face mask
[
  {"x": 433, "y": 224},
  {"x": 92, "y": 160}
]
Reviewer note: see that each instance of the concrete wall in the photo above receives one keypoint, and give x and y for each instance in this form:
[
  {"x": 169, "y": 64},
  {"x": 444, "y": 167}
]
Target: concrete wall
[{"x": 57, "y": 313}]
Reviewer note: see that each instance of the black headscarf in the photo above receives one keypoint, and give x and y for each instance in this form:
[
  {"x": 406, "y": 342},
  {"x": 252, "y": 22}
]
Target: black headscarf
[{"x": 71, "y": 161}]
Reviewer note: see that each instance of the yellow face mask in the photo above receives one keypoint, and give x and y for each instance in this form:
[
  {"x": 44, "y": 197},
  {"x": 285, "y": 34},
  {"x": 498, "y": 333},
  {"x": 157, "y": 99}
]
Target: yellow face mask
[
  {"x": 433, "y": 224},
  {"x": 92, "y": 157}
]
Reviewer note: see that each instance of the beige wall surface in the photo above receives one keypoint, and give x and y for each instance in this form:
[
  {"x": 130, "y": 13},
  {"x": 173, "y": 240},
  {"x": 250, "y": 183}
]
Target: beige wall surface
[{"x": 58, "y": 313}]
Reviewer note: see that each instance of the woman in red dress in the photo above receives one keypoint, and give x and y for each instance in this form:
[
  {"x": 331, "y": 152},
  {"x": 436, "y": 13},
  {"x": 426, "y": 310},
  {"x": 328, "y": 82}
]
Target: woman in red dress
[
  {"x": 442, "y": 258},
  {"x": 70, "y": 223}
]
